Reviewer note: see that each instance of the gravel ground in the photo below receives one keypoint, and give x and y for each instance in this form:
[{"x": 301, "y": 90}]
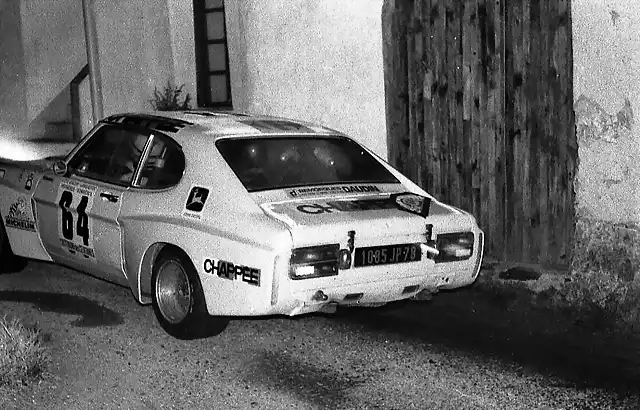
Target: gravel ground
[{"x": 468, "y": 349}]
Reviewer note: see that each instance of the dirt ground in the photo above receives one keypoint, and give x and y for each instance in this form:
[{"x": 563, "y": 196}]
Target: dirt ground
[{"x": 470, "y": 349}]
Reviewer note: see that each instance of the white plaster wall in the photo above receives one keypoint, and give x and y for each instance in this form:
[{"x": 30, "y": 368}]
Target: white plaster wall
[
  {"x": 135, "y": 50},
  {"x": 86, "y": 109},
  {"x": 141, "y": 44},
  {"x": 607, "y": 96},
  {"x": 180, "y": 14},
  {"x": 315, "y": 60},
  {"x": 54, "y": 49},
  {"x": 13, "y": 107}
]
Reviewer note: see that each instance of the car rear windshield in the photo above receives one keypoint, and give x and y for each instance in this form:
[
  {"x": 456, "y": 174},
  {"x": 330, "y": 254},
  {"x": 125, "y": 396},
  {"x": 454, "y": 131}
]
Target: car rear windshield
[{"x": 284, "y": 162}]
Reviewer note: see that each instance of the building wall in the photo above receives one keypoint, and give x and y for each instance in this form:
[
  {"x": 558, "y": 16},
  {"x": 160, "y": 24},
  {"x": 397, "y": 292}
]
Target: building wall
[
  {"x": 135, "y": 52},
  {"x": 182, "y": 45},
  {"x": 142, "y": 45},
  {"x": 13, "y": 106},
  {"x": 317, "y": 60},
  {"x": 607, "y": 96},
  {"x": 54, "y": 49},
  {"x": 43, "y": 51}
]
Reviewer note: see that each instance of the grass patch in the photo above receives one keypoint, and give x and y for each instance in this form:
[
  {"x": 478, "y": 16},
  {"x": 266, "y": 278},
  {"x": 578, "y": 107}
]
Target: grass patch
[
  {"x": 23, "y": 357},
  {"x": 601, "y": 293},
  {"x": 604, "y": 289}
]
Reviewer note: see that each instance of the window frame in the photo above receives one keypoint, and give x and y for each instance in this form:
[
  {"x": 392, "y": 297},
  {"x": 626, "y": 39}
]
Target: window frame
[
  {"x": 135, "y": 180},
  {"x": 280, "y": 137},
  {"x": 72, "y": 171},
  {"x": 168, "y": 141},
  {"x": 203, "y": 71}
]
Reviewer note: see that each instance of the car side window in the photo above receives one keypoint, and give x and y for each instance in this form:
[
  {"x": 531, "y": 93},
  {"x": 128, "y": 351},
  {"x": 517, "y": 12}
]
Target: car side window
[
  {"x": 164, "y": 166},
  {"x": 111, "y": 155}
]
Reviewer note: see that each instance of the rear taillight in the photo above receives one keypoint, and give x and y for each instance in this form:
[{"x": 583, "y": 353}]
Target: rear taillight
[
  {"x": 314, "y": 261},
  {"x": 454, "y": 246}
]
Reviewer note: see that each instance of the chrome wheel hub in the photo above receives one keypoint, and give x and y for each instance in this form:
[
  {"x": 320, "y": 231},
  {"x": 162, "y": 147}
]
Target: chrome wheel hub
[{"x": 173, "y": 292}]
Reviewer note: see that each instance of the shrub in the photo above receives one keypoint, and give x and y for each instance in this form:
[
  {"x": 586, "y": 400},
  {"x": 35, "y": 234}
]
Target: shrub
[
  {"x": 22, "y": 356},
  {"x": 169, "y": 99},
  {"x": 603, "y": 289}
]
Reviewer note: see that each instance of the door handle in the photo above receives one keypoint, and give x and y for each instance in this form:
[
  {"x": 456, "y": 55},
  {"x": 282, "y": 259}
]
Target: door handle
[{"x": 109, "y": 197}]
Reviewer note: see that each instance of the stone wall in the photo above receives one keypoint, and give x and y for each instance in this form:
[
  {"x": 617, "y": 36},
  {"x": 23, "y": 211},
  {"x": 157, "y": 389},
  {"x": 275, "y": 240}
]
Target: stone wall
[{"x": 607, "y": 96}]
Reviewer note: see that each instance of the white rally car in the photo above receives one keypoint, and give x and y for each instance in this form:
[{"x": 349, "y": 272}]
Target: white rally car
[{"x": 212, "y": 215}]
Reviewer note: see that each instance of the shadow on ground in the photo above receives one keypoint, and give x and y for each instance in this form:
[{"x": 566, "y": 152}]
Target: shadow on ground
[
  {"x": 325, "y": 387},
  {"x": 91, "y": 313},
  {"x": 12, "y": 265},
  {"x": 507, "y": 327}
]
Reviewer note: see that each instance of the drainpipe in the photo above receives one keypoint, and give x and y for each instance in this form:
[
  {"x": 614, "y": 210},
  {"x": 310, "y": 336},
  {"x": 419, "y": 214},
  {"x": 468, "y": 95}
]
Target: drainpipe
[{"x": 93, "y": 59}]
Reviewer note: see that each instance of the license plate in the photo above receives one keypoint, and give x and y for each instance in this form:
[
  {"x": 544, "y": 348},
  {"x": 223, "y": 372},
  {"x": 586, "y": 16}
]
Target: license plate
[{"x": 388, "y": 254}]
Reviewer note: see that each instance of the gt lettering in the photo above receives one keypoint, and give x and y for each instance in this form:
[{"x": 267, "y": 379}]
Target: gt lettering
[{"x": 230, "y": 271}]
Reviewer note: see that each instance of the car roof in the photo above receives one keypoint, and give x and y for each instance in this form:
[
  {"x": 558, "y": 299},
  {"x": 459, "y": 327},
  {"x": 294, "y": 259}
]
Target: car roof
[{"x": 195, "y": 124}]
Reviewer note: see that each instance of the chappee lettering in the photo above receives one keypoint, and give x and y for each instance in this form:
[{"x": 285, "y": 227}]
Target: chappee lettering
[
  {"x": 347, "y": 206},
  {"x": 231, "y": 271}
]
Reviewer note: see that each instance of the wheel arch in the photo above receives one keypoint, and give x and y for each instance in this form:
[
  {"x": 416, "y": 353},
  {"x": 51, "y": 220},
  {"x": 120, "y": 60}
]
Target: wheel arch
[{"x": 146, "y": 268}]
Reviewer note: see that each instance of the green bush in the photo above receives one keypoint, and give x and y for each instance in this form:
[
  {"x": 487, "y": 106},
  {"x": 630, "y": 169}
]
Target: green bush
[
  {"x": 170, "y": 98},
  {"x": 604, "y": 289},
  {"x": 23, "y": 358}
]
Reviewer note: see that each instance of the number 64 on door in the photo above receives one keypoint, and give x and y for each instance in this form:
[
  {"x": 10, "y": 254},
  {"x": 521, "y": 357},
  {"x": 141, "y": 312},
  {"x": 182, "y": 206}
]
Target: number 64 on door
[{"x": 74, "y": 225}]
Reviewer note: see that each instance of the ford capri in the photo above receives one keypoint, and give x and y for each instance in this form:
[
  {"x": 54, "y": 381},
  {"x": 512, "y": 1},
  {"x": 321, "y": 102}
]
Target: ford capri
[{"x": 208, "y": 215}]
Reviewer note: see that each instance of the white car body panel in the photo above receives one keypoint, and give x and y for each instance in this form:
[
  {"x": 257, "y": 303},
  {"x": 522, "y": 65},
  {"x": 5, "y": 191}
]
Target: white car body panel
[
  {"x": 240, "y": 243},
  {"x": 18, "y": 184}
]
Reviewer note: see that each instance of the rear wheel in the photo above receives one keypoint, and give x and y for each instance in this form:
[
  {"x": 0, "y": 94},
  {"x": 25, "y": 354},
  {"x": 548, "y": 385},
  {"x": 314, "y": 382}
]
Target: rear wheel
[
  {"x": 5, "y": 249},
  {"x": 178, "y": 299}
]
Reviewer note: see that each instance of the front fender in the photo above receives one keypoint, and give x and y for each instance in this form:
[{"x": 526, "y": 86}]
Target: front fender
[{"x": 18, "y": 182}]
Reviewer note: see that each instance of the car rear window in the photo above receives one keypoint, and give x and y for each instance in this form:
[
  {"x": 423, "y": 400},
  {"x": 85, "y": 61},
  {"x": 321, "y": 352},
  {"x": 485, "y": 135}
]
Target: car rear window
[{"x": 283, "y": 162}]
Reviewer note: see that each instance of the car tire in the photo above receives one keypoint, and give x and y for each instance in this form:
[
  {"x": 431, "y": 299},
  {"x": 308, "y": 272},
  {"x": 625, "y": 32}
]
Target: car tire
[
  {"x": 5, "y": 249},
  {"x": 178, "y": 299},
  {"x": 9, "y": 262}
]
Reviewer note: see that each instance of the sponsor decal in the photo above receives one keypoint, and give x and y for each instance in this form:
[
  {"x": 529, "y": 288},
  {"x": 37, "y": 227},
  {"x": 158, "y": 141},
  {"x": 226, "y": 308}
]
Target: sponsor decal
[
  {"x": 18, "y": 216},
  {"x": 416, "y": 204},
  {"x": 74, "y": 247},
  {"x": 231, "y": 271},
  {"x": 29, "y": 183},
  {"x": 195, "y": 202},
  {"x": 346, "y": 206},
  {"x": 75, "y": 200},
  {"x": 404, "y": 202},
  {"x": 323, "y": 190}
]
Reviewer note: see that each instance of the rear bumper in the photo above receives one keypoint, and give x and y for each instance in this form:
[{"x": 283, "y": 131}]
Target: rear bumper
[
  {"x": 371, "y": 293},
  {"x": 450, "y": 275}
]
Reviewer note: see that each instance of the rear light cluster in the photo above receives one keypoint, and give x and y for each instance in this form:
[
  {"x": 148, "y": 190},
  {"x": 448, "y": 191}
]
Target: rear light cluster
[
  {"x": 315, "y": 261},
  {"x": 323, "y": 260},
  {"x": 454, "y": 247}
]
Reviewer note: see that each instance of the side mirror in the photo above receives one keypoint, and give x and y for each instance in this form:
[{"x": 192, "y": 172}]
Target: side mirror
[{"x": 59, "y": 167}]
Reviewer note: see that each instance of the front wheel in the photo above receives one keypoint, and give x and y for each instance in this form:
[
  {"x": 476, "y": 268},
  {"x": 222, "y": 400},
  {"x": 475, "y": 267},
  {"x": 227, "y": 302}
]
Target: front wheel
[
  {"x": 178, "y": 299},
  {"x": 8, "y": 261},
  {"x": 5, "y": 248}
]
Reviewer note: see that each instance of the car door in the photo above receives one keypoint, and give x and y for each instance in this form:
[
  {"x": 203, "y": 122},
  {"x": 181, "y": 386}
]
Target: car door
[{"x": 79, "y": 210}]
